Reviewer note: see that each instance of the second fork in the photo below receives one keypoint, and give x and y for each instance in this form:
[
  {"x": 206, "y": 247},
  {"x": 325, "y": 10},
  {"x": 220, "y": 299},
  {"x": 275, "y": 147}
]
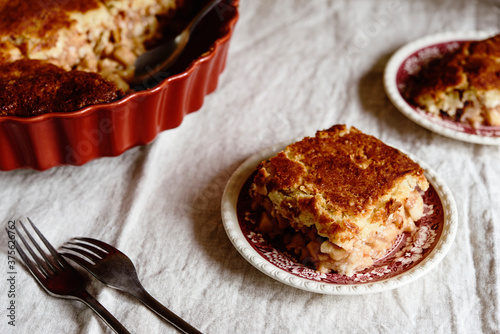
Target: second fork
[{"x": 116, "y": 270}]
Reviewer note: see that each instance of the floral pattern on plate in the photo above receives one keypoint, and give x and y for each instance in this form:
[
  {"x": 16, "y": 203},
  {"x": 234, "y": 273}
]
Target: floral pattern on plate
[{"x": 408, "y": 250}]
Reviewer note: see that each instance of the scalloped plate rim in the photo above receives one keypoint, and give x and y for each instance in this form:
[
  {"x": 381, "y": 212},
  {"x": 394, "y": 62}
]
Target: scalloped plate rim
[
  {"x": 239, "y": 241},
  {"x": 400, "y": 103}
]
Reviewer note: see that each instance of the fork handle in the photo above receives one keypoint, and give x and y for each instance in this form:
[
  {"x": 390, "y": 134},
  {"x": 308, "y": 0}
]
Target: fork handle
[
  {"x": 164, "y": 312},
  {"x": 104, "y": 314}
]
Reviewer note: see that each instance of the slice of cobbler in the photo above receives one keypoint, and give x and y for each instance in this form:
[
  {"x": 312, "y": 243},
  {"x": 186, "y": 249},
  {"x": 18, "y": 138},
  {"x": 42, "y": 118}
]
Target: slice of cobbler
[{"x": 338, "y": 200}]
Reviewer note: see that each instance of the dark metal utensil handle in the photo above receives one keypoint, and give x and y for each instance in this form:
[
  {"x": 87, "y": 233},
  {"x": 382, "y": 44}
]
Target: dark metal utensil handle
[
  {"x": 104, "y": 314},
  {"x": 165, "y": 313}
]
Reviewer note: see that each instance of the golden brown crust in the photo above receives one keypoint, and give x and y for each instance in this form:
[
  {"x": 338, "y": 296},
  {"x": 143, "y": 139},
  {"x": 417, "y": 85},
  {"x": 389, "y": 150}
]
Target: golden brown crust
[
  {"x": 481, "y": 62},
  {"x": 350, "y": 169},
  {"x": 476, "y": 62},
  {"x": 33, "y": 87},
  {"x": 40, "y": 18}
]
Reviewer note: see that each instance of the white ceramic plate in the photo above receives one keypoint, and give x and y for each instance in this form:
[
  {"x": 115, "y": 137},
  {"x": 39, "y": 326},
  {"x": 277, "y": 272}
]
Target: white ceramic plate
[
  {"x": 411, "y": 257},
  {"x": 408, "y": 60}
]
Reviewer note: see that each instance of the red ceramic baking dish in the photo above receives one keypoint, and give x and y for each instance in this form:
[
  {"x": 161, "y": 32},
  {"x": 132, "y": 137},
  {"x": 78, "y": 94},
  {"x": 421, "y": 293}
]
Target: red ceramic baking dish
[{"x": 104, "y": 130}]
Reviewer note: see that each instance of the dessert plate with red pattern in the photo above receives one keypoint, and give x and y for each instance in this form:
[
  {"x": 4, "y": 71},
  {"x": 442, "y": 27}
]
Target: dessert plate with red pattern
[
  {"x": 408, "y": 60},
  {"x": 412, "y": 255}
]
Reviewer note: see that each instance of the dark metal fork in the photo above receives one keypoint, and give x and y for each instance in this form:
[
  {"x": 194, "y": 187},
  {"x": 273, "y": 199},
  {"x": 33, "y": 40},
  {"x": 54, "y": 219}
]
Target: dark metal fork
[
  {"x": 57, "y": 277},
  {"x": 116, "y": 270}
]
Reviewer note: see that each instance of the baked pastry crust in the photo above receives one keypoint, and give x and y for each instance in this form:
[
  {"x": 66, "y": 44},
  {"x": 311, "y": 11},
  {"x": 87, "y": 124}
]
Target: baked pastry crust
[
  {"x": 34, "y": 87},
  {"x": 464, "y": 85},
  {"x": 346, "y": 195}
]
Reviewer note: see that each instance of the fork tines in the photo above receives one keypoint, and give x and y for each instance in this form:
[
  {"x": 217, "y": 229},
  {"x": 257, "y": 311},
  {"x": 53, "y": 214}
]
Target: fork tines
[
  {"x": 89, "y": 250},
  {"x": 46, "y": 267}
]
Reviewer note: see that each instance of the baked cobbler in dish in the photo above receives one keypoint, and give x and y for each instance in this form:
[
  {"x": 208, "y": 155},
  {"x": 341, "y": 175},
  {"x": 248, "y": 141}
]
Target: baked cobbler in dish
[
  {"x": 100, "y": 36},
  {"x": 463, "y": 85},
  {"x": 338, "y": 200}
]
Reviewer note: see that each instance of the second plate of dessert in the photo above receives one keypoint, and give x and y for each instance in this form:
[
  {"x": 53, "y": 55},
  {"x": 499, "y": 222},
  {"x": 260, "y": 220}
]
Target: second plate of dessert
[
  {"x": 411, "y": 256},
  {"x": 408, "y": 61}
]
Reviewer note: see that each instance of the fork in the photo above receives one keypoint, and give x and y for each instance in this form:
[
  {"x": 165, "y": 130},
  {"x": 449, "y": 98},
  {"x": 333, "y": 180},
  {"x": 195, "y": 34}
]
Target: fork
[
  {"x": 115, "y": 269},
  {"x": 57, "y": 277}
]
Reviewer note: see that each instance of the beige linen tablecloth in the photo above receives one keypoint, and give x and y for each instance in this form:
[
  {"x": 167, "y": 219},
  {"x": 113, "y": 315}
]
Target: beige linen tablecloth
[{"x": 294, "y": 67}]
